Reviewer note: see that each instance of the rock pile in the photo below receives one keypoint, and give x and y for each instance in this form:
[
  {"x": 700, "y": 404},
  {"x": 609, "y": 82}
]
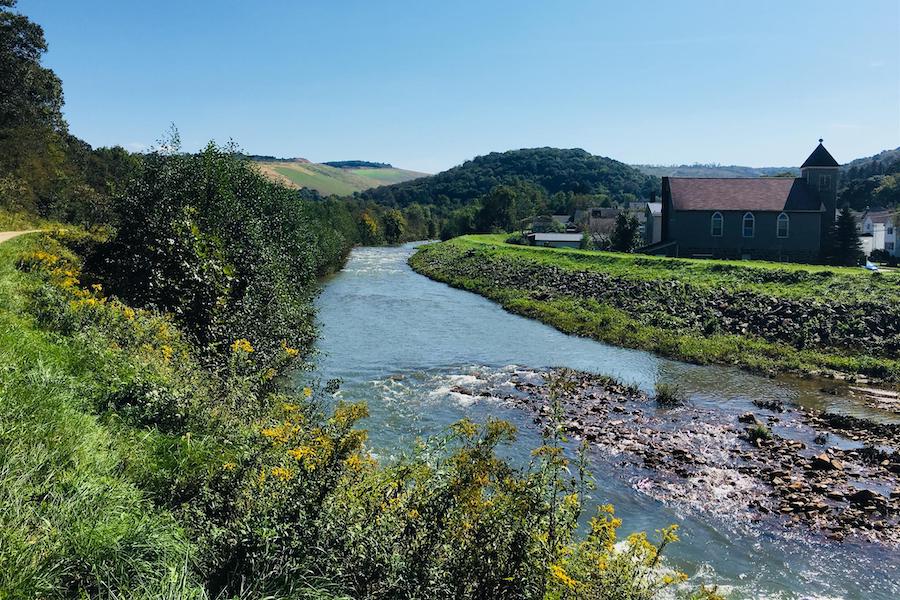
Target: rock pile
[{"x": 697, "y": 458}]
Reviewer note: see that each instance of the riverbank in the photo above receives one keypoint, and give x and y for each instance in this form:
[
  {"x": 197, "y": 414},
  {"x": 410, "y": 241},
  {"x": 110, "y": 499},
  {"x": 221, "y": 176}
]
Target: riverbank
[
  {"x": 765, "y": 317},
  {"x": 131, "y": 468},
  {"x": 779, "y": 466}
]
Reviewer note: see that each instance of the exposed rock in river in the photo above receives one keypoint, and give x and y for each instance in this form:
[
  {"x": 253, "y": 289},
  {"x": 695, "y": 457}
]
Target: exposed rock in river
[{"x": 704, "y": 460}]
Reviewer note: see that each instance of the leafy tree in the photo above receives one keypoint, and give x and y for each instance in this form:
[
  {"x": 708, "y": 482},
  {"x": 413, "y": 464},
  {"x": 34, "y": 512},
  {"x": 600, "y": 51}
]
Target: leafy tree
[
  {"x": 369, "y": 231},
  {"x": 624, "y": 237},
  {"x": 498, "y": 209},
  {"x": 394, "y": 226},
  {"x": 30, "y": 95}
]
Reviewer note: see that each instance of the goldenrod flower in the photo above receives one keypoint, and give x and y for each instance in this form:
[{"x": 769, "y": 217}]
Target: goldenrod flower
[
  {"x": 241, "y": 345},
  {"x": 282, "y": 473}
]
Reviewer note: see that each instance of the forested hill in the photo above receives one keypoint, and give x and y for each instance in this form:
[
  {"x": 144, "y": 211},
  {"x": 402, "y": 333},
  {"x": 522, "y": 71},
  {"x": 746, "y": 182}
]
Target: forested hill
[
  {"x": 553, "y": 169},
  {"x": 872, "y": 182}
]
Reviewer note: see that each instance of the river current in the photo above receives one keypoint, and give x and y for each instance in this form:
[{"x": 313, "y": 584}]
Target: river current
[{"x": 407, "y": 346}]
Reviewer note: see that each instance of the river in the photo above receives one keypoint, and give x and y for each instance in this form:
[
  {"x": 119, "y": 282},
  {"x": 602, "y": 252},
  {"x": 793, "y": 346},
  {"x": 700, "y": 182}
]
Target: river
[{"x": 405, "y": 344}]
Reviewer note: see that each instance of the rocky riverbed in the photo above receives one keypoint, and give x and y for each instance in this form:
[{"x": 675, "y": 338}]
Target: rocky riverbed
[{"x": 783, "y": 466}]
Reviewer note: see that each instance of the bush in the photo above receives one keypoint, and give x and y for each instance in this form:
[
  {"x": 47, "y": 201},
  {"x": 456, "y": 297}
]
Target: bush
[
  {"x": 228, "y": 253},
  {"x": 668, "y": 394}
]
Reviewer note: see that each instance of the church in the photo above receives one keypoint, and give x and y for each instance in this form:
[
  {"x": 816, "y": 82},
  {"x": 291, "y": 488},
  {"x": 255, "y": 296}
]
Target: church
[{"x": 765, "y": 218}]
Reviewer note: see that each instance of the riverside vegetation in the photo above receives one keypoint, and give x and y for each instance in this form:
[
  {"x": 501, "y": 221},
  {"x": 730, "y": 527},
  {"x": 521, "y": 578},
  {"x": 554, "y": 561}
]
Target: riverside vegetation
[
  {"x": 149, "y": 450},
  {"x": 765, "y": 317}
]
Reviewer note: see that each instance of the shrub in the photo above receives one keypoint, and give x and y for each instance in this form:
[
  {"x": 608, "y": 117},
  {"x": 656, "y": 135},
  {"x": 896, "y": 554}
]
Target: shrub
[
  {"x": 228, "y": 253},
  {"x": 758, "y": 432},
  {"x": 668, "y": 394}
]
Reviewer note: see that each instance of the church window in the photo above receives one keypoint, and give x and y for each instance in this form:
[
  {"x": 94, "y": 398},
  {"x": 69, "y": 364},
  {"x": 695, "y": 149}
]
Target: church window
[
  {"x": 716, "y": 225},
  {"x": 749, "y": 225}
]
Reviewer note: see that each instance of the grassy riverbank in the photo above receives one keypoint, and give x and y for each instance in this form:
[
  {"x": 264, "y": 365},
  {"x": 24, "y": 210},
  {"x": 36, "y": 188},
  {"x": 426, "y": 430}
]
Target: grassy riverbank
[
  {"x": 133, "y": 467},
  {"x": 767, "y": 317}
]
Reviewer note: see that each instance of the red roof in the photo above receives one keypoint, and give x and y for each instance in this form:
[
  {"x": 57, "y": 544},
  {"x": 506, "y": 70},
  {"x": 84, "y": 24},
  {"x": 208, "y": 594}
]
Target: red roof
[{"x": 760, "y": 194}]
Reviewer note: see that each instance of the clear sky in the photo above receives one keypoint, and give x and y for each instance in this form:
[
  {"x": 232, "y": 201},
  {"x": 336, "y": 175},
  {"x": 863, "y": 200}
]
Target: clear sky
[{"x": 426, "y": 85}]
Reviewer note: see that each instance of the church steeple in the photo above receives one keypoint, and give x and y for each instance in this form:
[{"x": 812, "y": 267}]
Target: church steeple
[
  {"x": 820, "y": 157},
  {"x": 821, "y": 172}
]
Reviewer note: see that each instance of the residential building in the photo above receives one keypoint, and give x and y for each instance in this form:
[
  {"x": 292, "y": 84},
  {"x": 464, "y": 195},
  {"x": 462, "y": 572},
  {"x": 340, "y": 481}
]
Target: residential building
[{"x": 879, "y": 232}]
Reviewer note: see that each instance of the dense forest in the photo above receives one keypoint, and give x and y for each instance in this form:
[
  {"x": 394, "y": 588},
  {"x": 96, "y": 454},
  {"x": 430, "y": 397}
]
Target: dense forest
[
  {"x": 496, "y": 191},
  {"x": 871, "y": 182},
  {"x": 553, "y": 169}
]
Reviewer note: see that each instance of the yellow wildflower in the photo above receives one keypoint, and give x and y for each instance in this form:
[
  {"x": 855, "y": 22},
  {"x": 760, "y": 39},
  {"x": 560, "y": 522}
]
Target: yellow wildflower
[
  {"x": 129, "y": 313},
  {"x": 97, "y": 288},
  {"x": 241, "y": 345},
  {"x": 291, "y": 352},
  {"x": 229, "y": 466},
  {"x": 282, "y": 473},
  {"x": 307, "y": 392},
  {"x": 560, "y": 574},
  {"x": 167, "y": 352}
]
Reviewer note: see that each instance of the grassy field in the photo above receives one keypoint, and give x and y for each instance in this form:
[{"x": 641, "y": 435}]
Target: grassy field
[
  {"x": 329, "y": 180},
  {"x": 768, "y": 317}
]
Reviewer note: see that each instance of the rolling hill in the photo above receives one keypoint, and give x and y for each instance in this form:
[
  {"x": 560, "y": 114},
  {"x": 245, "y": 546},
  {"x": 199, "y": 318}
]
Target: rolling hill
[
  {"x": 553, "y": 169},
  {"x": 332, "y": 180}
]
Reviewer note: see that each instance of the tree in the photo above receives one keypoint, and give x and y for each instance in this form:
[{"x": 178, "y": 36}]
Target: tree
[
  {"x": 624, "y": 237},
  {"x": 394, "y": 226},
  {"x": 30, "y": 95},
  {"x": 497, "y": 209},
  {"x": 369, "y": 233},
  {"x": 842, "y": 245}
]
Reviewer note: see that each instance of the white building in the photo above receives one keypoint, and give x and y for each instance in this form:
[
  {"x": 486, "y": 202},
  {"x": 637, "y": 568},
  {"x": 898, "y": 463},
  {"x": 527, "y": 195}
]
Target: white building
[{"x": 879, "y": 232}]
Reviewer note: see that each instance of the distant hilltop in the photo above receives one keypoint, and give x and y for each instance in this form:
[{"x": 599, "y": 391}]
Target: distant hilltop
[
  {"x": 338, "y": 178},
  {"x": 358, "y": 164}
]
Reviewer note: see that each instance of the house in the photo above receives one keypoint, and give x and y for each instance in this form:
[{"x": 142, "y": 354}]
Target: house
[
  {"x": 766, "y": 218},
  {"x": 879, "y": 232},
  {"x": 555, "y": 240},
  {"x": 653, "y": 223}
]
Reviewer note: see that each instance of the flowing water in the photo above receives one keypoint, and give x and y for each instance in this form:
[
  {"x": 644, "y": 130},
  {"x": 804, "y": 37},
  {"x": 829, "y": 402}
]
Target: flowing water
[{"x": 406, "y": 345}]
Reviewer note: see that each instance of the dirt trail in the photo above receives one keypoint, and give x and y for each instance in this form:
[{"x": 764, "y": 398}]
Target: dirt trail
[{"x": 8, "y": 235}]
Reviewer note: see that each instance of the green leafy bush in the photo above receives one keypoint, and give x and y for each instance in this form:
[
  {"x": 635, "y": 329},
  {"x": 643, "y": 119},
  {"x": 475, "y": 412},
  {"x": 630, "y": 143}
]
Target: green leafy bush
[{"x": 228, "y": 253}]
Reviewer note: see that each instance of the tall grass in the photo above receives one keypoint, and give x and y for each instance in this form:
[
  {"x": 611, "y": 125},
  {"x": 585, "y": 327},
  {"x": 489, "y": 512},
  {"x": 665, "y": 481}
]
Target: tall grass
[{"x": 128, "y": 470}]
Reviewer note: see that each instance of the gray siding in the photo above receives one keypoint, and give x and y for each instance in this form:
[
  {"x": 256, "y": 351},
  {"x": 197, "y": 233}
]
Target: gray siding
[{"x": 691, "y": 229}]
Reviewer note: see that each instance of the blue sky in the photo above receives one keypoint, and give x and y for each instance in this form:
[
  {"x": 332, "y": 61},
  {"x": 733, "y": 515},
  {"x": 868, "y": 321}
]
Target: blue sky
[{"x": 426, "y": 85}]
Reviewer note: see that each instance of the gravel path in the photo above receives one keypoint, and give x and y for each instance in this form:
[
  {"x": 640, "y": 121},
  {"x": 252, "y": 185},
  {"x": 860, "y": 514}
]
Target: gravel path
[{"x": 8, "y": 235}]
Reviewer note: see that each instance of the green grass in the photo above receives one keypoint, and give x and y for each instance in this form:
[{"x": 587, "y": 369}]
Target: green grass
[
  {"x": 784, "y": 280},
  {"x": 19, "y": 221},
  {"x": 387, "y": 176},
  {"x": 69, "y": 519},
  {"x": 329, "y": 180},
  {"x": 460, "y": 261}
]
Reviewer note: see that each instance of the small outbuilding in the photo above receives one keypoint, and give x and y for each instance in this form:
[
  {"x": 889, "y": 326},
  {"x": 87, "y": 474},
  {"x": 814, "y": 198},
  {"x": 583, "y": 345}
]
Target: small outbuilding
[{"x": 555, "y": 240}]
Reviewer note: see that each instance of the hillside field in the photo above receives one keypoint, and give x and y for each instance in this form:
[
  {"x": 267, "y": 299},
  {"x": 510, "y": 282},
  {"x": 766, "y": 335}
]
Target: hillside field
[{"x": 329, "y": 180}]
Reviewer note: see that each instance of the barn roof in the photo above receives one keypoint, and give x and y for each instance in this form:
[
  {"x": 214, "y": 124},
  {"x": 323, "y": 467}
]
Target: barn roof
[{"x": 759, "y": 194}]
